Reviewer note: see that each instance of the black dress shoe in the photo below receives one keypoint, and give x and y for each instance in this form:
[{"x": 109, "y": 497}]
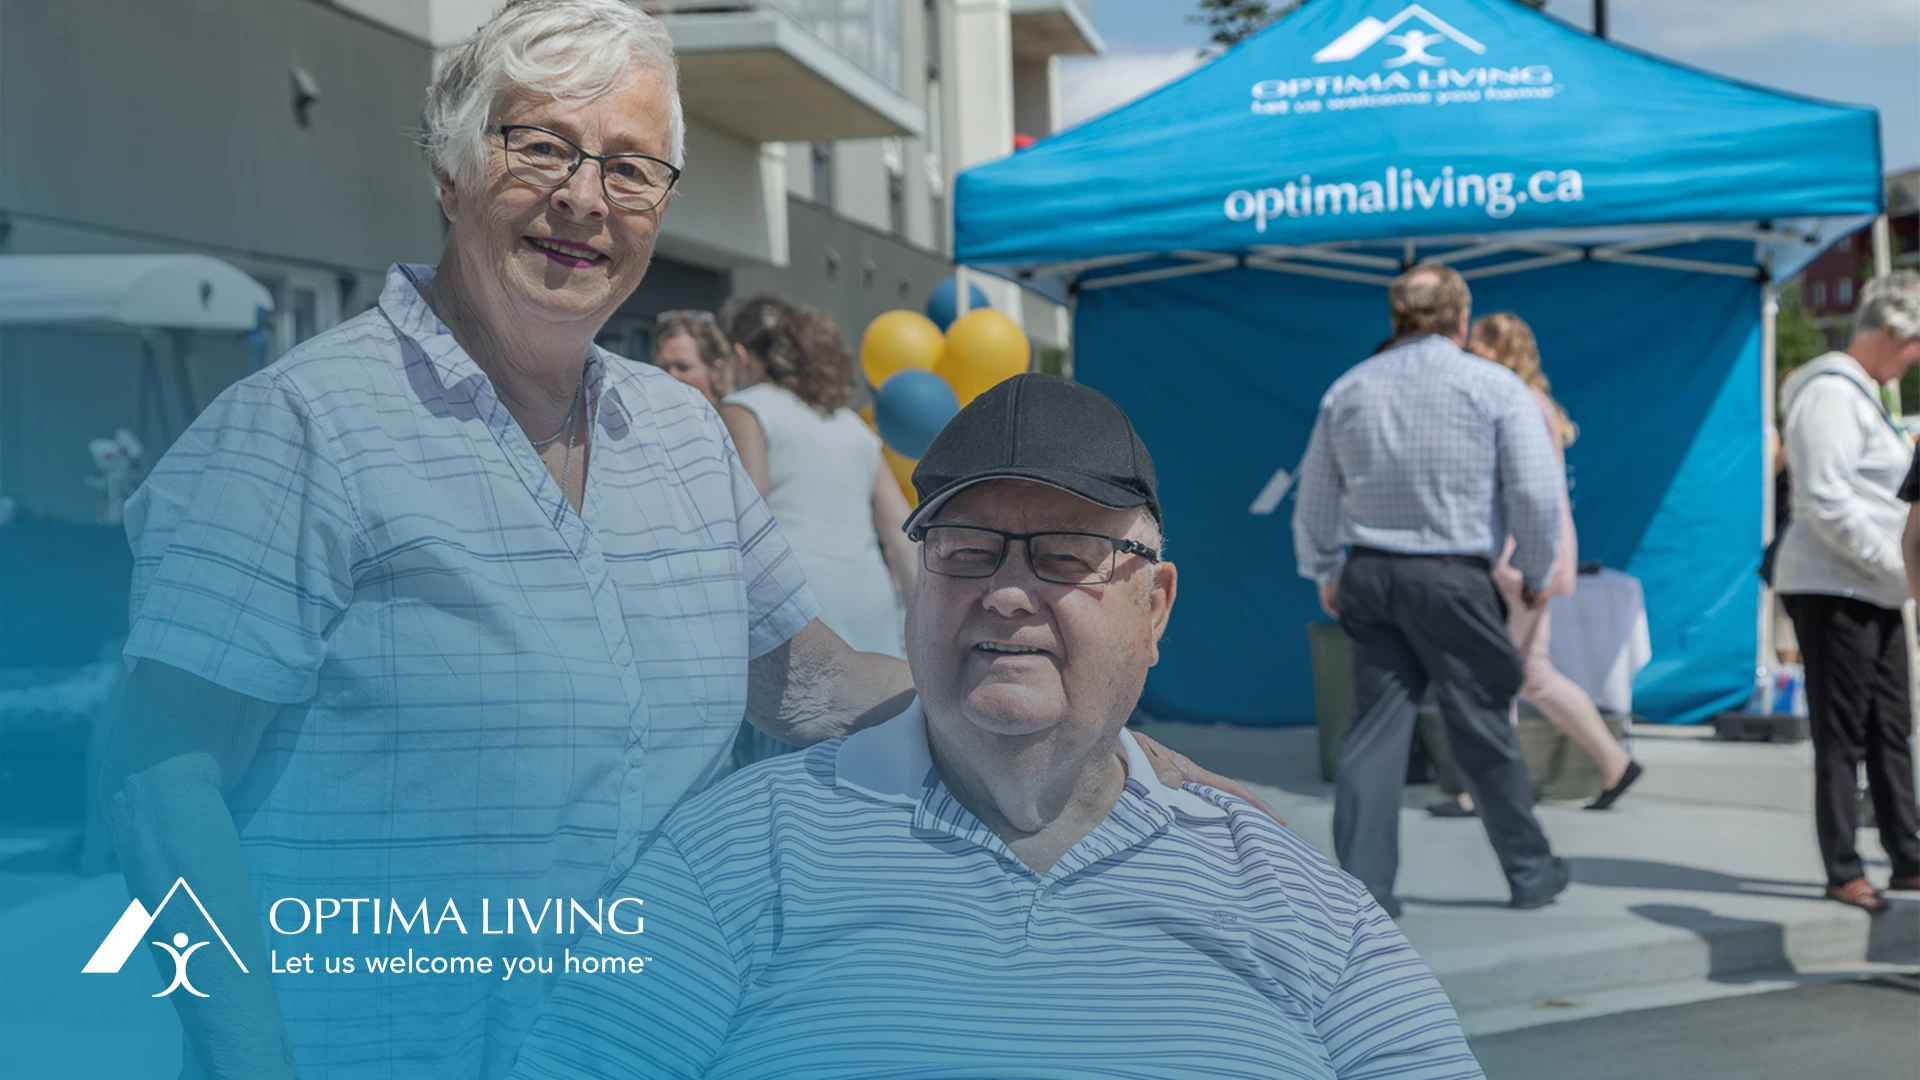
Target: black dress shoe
[
  {"x": 1451, "y": 808},
  {"x": 1541, "y": 897},
  {"x": 1609, "y": 796}
]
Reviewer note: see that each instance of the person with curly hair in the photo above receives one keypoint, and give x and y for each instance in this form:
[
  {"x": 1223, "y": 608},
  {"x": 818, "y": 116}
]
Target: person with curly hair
[
  {"x": 1505, "y": 338},
  {"x": 819, "y": 468}
]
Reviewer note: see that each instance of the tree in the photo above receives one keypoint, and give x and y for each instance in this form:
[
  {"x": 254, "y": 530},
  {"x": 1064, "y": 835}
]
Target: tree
[
  {"x": 1796, "y": 339},
  {"x": 1231, "y": 22}
]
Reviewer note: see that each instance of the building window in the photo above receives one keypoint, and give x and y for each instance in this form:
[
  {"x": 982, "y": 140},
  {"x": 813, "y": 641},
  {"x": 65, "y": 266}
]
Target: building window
[
  {"x": 894, "y": 154},
  {"x": 1844, "y": 290},
  {"x": 823, "y": 173},
  {"x": 1819, "y": 294}
]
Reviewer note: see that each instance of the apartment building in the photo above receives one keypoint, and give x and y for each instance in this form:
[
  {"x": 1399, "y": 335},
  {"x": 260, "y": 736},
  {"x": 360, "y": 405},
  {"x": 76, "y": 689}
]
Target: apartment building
[
  {"x": 280, "y": 135},
  {"x": 823, "y": 137},
  {"x": 277, "y": 135},
  {"x": 1830, "y": 285}
]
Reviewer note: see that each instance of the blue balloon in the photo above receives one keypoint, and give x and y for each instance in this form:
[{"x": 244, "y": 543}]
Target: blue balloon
[
  {"x": 944, "y": 301},
  {"x": 910, "y": 408}
]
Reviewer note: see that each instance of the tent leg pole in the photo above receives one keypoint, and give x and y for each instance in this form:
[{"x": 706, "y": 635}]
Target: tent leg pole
[
  {"x": 1769, "y": 311},
  {"x": 1883, "y": 265}
]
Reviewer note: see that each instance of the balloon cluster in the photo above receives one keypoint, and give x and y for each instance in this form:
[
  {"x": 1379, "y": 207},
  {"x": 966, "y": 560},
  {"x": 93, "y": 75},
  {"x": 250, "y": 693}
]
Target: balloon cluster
[{"x": 925, "y": 368}]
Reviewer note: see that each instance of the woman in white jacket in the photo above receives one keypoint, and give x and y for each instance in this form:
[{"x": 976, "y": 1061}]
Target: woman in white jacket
[{"x": 1840, "y": 573}]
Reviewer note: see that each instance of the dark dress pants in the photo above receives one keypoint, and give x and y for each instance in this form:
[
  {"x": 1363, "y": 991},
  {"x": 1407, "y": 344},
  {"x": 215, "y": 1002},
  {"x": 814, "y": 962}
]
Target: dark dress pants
[
  {"x": 1856, "y": 660},
  {"x": 1415, "y": 622}
]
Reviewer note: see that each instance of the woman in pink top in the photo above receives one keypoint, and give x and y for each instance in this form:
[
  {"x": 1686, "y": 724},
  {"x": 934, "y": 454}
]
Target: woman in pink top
[{"x": 1506, "y": 339}]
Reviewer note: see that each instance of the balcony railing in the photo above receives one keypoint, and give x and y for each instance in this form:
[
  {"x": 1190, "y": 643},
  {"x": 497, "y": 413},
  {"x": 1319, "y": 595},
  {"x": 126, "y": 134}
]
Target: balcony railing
[{"x": 867, "y": 32}]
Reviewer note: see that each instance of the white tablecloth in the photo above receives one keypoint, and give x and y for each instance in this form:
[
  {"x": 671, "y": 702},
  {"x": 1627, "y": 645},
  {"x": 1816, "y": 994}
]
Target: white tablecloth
[{"x": 1600, "y": 638}]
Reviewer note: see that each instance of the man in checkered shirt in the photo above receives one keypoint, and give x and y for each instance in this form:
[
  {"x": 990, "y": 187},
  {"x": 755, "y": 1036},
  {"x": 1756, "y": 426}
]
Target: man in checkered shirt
[{"x": 1423, "y": 461}]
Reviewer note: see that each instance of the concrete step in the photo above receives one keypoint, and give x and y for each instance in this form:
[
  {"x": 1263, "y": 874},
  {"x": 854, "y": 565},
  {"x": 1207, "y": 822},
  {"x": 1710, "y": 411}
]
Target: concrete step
[{"x": 1705, "y": 878}]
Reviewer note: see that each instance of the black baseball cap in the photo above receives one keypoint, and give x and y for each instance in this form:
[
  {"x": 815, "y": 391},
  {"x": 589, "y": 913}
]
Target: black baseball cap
[{"x": 1042, "y": 428}]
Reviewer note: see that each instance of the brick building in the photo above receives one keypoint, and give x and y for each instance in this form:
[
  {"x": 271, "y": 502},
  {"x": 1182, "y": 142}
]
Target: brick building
[{"x": 1831, "y": 283}]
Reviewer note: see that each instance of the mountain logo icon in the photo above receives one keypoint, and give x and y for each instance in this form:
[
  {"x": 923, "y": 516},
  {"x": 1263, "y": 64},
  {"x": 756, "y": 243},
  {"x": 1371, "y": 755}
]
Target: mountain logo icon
[
  {"x": 133, "y": 925},
  {"x": 1414, "y": 43}
]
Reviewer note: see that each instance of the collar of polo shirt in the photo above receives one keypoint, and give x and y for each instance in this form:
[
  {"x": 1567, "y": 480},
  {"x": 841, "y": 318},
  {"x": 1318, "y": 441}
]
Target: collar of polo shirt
[{"x": 890, "y": 761}]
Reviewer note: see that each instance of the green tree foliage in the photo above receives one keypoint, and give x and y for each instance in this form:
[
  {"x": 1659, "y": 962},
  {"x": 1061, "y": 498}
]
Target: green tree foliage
[
  {"x": 1230, "y": 22},
  {"x": 1796, "y": 339}
]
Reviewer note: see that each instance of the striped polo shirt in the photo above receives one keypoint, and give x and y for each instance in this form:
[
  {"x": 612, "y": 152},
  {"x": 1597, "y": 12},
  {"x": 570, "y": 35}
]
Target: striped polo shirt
[
  {"x": 485, "y": 694},
  {"x": 837, "y": 915}
]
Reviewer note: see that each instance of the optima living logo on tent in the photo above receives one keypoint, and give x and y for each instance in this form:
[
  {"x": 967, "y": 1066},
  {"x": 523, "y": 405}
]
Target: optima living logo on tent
[
  {"x": 1414, "y": 58},
  {"x": 133, "y": 925},
  {"x": 1413, "y": 41}
]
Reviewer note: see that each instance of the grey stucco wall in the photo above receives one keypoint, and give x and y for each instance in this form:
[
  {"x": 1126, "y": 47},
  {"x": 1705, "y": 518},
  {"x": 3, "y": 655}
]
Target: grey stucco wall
[
  {"x": 174, "y": 119},
  {"x": 149, "y": 126},
  {"x": 902, "y": 274}
]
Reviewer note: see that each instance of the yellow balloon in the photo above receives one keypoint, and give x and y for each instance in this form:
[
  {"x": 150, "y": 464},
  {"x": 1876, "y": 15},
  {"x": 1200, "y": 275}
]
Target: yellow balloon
[
  {"x": 902, "y": 472},
  {"x": 896, "y": 341},
  {"x": 983, "y": 348}
]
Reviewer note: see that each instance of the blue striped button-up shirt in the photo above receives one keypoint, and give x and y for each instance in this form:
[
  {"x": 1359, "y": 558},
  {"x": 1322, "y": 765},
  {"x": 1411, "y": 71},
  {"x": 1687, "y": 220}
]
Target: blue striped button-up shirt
[
  {"x": 839, "y": 915},
  {"x": 1427, "y": 449},
  {"x": 485, "y": 694}
]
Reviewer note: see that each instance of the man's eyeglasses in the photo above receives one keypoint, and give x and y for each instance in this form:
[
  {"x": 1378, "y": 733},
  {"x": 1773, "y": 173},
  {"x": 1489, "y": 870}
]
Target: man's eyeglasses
[
  {"x": 1063, "y": 558},
  {"x": 546, "y": 159}
]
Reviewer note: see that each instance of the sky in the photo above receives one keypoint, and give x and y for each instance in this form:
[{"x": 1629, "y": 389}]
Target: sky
[{"x": 1857, "y": 51}]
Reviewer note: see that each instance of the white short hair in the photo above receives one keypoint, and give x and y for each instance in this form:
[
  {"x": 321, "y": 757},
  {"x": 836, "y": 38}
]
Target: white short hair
[
  {"x": 564, "y": 49},
  {"x": 1891, "y": 303}
]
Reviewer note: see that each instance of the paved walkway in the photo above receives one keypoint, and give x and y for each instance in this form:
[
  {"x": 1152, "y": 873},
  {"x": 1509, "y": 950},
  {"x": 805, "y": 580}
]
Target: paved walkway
[
  {"x": 1865, "y": 1028},
  {"x": 1704, "y": 881}
]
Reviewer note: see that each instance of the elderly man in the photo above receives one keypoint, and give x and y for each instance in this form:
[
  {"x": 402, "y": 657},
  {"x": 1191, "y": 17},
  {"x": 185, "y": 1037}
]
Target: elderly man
[
  {"x": 994, "y": 882},
  {"x": 1423, "y": 461}
]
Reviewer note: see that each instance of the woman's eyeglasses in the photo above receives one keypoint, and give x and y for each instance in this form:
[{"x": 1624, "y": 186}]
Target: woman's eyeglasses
[{"x": 547, "y": 159}]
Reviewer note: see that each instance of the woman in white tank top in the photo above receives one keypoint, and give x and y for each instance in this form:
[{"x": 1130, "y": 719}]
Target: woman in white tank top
[{"x": 818, "y": 466}]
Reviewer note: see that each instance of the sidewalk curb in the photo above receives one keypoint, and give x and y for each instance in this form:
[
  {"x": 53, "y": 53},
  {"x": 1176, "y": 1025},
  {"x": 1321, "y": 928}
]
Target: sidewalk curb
[{"x": 1484, "y": 980}]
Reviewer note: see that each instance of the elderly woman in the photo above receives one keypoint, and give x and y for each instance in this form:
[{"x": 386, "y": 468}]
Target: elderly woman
[
  {"x": 1840, "y": 574},
  {"x": 445, "y": 607}
]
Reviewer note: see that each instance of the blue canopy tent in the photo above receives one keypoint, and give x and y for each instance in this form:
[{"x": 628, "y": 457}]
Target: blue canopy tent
[{"x": 1225, "y": 242}]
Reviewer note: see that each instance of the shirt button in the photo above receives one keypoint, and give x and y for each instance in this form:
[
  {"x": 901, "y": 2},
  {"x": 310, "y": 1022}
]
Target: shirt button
[{"x": 592, "y": 564}]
